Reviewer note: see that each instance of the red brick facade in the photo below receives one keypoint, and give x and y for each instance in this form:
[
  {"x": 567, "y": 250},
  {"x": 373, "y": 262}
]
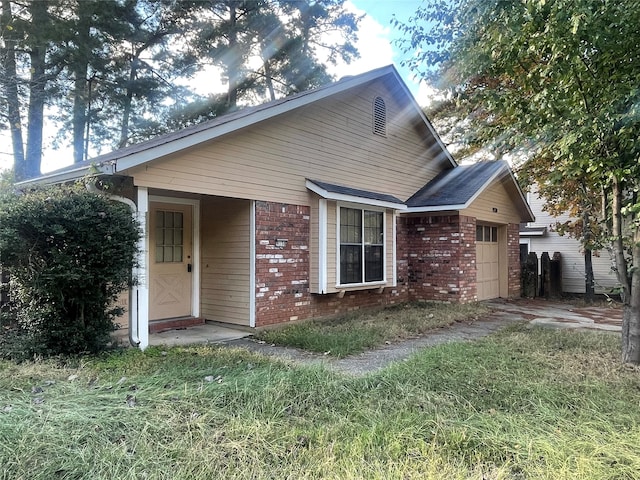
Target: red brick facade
[
  {"x": 435, "y": 261},
  {"x": 282, "y": 274},
  {"x": 513, "y": 257},
  {"x": 439, "y": 253}
]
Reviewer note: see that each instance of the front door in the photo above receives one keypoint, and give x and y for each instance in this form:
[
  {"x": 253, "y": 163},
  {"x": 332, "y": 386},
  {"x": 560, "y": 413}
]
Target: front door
[{"x": 170, "y": 260}]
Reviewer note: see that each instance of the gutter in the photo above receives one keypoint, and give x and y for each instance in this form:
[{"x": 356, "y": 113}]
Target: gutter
[{"x": 134, "y": 329}]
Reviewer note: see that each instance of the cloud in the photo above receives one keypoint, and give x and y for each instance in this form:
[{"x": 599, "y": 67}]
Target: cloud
[{"x": 373, "y": 44}]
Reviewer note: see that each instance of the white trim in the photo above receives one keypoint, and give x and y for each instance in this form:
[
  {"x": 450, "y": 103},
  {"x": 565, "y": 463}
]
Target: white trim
[
  {"x": 252, "y": 265},
  {"x": 71, "y": 174},
  {"x": 143, "y": 269},
  {"x": 195, "y": 239},
  {"x": 540, "y": 233},
  {"x": 435, "y": 208},
  {"x": 195, "y": 244},
  {"x": 341, "y": 197},
  {"x": 384, "y": 248},
  {"x": 322, "y": 245},
  {"x": 394, "y": 274}
]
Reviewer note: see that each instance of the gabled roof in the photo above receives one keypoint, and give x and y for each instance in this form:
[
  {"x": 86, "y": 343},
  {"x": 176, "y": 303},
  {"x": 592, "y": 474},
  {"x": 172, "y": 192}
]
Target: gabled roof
[
  {"x": 348, "y": 194},
  {"x": 457, "y": 188},
  {"x": 134, "y": 155}
]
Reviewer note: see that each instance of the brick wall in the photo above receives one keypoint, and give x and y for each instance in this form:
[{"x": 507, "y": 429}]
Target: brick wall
[
  {"x": 282, "y": 274},
  {"x": 513, "y": 255},
  {"x": 435, "y": 261},
  {"x": 439, "y": 253}
]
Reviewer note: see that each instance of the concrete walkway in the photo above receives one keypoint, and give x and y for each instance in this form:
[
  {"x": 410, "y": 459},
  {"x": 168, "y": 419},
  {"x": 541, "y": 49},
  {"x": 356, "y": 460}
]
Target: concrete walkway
[
  {"x": 505, "y": 312},
  {"x": 203, "y": 334}
]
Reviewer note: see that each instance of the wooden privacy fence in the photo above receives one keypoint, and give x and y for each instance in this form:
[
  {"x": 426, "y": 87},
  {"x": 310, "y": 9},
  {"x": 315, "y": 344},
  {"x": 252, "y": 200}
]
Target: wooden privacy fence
[{"x": 545, "y": 280}]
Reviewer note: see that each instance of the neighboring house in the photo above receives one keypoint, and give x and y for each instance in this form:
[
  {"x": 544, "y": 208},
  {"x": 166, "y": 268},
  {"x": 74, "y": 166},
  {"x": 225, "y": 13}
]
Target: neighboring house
[
  {"x": 331, "y": 200},
  {"x": 540, "y": 236}
]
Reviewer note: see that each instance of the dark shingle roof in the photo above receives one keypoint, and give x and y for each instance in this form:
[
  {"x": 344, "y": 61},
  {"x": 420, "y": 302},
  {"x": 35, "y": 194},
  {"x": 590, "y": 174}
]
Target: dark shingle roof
[
  {"x": 355, "y": 192},
  {"x": 456, "y": 186}
]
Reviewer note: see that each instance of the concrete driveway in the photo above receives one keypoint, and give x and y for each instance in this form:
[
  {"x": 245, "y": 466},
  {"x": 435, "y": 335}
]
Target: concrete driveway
[{"x": 561, "y": 314}]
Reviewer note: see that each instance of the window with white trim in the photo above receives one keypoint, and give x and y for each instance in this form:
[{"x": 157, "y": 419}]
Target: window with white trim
[{"x": 361, "y": 246}]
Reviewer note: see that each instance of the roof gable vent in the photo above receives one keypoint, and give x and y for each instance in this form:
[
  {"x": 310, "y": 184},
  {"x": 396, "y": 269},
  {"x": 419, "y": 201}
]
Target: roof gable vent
[{"x": 379, "y": 117}]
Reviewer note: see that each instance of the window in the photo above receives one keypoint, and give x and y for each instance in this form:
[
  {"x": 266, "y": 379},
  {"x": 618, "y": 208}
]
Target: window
[
  {"x": 169, "y": 242},
  {"x": 379, "y": 117},
  {"x": 485, "y": 233},
  {"x": 361, "y": 246}
]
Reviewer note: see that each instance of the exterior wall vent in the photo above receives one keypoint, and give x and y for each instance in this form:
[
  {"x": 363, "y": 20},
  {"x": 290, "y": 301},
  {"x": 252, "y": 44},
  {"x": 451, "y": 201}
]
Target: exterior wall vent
[{"x": 379, "y": 117}]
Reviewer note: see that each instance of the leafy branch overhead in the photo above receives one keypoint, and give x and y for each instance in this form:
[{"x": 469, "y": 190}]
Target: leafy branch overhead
[{"x": 556, "y": 84}]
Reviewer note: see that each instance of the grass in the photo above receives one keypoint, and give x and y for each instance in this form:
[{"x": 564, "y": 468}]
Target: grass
[
  {"x": 524, "y": 403},
  {"x": 360, "y": 331}
]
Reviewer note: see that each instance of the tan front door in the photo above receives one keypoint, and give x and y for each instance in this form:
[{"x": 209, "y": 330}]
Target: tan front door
[
  {"x": 170, "y": 260},
  {"x": 487, "y": 262}
]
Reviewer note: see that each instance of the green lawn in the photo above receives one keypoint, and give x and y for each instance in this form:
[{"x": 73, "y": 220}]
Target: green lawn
[
  {"x": 359, "y": 331},
  {"x": 524, "y": 403}
]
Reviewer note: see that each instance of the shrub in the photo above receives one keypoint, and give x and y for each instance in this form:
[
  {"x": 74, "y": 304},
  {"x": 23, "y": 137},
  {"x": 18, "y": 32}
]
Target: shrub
[{"x": 69, "y": 254}]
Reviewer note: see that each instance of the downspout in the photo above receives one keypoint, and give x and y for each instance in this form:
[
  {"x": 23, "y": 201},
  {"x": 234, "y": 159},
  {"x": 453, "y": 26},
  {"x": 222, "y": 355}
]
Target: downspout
[{"x": 134, "y": 337}]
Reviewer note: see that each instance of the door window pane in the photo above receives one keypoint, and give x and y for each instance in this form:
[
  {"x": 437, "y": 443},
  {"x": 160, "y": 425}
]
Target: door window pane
[{"x": 169, "y": 236}]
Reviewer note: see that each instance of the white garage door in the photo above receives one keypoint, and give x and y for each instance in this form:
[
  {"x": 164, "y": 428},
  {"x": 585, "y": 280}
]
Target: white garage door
[{"x": 487, "y": 262}]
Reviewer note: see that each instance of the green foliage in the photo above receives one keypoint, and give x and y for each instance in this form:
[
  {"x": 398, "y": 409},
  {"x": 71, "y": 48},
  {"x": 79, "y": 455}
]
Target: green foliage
[
  {"x": 556, "y": 81},
  {"x": 69, "y": 254},
  {"x": 528, "y": 403}
]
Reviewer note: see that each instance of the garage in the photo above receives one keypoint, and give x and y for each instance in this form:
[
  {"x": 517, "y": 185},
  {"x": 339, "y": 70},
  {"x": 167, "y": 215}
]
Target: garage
[{"x": 487, "y": 262}]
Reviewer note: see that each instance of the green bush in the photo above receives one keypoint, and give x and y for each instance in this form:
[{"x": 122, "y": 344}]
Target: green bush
[{"x": 69, "y": 254}]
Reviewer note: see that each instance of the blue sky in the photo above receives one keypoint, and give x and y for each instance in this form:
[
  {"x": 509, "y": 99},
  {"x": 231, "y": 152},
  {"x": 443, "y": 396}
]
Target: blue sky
[{"x": 378, "y": 25}]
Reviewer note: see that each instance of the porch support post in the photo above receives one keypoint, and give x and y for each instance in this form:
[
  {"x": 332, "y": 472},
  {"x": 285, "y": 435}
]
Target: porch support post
[
  {"x": 252, "y": 265},
  {"x": 143, "y": 269}
]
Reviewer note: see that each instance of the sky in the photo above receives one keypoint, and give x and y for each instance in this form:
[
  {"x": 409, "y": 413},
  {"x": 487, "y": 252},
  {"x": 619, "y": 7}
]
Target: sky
[{"x": 375, "y": 43}]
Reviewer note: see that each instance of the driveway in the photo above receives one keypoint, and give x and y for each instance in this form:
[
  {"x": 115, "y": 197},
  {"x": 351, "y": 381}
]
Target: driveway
[{"x": 562, "y": 314}]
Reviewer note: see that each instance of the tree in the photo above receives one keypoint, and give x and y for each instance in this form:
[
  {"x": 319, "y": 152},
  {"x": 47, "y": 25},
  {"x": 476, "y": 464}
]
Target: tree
[
  {"x": 560, "y": 78},
  {"x": 291, "y": 39},
  {"x": 107, "y": 73}
]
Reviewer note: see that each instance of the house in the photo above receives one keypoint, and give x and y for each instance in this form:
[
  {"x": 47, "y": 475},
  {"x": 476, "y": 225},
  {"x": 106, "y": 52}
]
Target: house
[
  {"x": 331, "y": 200},
  {"x": 541, "y": 236}
]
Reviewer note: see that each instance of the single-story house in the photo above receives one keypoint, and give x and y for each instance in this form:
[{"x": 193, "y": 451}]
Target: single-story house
[
  {"x": 541, "y": 236},
  {"x": 334, "y": 199}
]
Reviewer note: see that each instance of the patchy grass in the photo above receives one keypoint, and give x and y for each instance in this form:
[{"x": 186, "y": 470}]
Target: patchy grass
[
  {"x": 525, "y": 403},
  {"x": 360, "y": 331}
]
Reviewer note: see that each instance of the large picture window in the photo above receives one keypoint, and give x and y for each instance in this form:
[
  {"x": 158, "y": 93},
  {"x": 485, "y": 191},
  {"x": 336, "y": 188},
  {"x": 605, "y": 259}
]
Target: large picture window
[{"x": 361, "y": 246}]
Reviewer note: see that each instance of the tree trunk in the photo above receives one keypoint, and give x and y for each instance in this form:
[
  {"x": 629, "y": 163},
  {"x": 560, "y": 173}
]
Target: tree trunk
[
  {"x": 268, "y": 76},
  {"x": 80, "y": 70},
  {"x": 10, "y": 87},
  {"x": 618, "y": 244},
  {"x": 630, "y": 281},
  {"x": 126, "y": 111},
  {"x": 588, "y": 263},
  {"x": 589, "y": 291},
  {"x": 631, "y": 316},
  {"x": 37, "y": 94},
  {"x": 234, "y": 62}
]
